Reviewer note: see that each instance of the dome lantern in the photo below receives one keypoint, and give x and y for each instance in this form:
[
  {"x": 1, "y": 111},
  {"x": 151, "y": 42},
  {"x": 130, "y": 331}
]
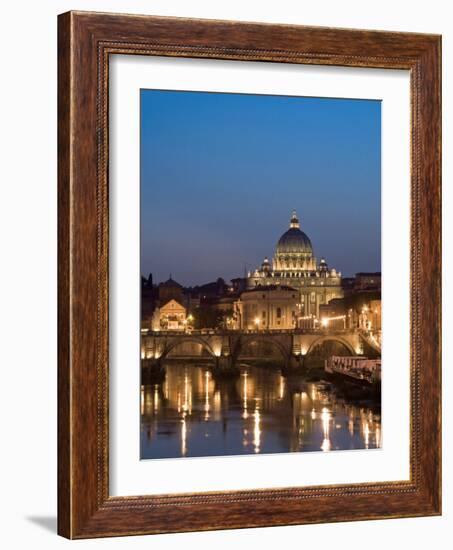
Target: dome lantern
[{"x": 294, "y": 223}]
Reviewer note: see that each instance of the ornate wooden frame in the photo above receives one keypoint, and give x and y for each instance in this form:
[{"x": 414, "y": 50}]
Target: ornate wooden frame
[{"x": 85, "y": 42}]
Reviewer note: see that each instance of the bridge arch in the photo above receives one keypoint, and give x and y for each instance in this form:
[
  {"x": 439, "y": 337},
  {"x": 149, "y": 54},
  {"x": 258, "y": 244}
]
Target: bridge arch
[
  {"x": 329, "y": 338},
  {"x": 244, "y": 342},
  {"x": 178, "y": 341}
]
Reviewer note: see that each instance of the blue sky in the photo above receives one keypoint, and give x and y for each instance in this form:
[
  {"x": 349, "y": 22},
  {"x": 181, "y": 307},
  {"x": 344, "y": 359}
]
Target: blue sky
[{"x": 220, "y": 174}]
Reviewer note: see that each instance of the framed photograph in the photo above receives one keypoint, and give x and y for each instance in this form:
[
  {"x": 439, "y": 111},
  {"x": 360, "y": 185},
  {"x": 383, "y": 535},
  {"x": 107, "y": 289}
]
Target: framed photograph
[{"x": 249, "y": 275}]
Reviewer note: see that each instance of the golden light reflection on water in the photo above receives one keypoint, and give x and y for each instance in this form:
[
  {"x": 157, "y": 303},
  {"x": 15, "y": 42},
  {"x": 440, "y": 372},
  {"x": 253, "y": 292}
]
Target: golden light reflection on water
[
  {"x": 156, "y": 398},
  {"x": 256, "y": 429},
  {"x": 325, "y": 417},
  {"x": 183, "y": 436},
  {"x": 282, "y": 387},
  {"x": 206, "y": 404},
  {"x": 192, "y": 413},
  {"x": 245, "y": 395}
]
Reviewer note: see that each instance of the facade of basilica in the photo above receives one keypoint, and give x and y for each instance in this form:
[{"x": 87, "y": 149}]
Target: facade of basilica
[{"x": 294, "y": 267}]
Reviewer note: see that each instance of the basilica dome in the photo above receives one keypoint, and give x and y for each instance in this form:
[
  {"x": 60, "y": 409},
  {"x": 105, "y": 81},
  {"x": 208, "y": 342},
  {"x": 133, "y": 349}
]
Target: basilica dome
[{"x": 294, "y": 241}]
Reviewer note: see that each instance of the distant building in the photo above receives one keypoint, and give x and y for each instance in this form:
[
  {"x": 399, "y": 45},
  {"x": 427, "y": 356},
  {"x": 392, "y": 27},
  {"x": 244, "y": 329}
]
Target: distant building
[
  {"x": 367, "y": 281},
  {"x": 347, "y": 284},
  {"x": 269, "y": 307},
  {"x": 294, "y": 265},
  {"x": 171, "y": 316},
  {"x": 170, "y": 290},
  {"x": 224, "y": 303}
]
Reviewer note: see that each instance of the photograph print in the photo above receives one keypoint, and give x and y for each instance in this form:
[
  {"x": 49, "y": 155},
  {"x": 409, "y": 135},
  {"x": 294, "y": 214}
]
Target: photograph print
[{"x": 260, "y": 274}]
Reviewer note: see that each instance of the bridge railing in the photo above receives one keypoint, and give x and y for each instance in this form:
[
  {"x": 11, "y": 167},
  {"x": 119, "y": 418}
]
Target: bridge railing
[{"x": 223, "y": 332}]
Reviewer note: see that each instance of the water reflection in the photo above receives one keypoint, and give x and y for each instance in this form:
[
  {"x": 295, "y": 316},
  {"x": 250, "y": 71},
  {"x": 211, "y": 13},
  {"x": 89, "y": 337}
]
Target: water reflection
[{"x": 193, "y": 414}]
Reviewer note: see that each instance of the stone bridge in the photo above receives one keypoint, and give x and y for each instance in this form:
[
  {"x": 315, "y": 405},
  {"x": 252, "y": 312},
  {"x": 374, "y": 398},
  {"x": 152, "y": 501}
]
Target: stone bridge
[{"x": 226, "y": 347}]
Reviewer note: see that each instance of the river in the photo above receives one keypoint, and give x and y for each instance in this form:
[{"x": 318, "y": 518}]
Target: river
[{"x": 191, "y": 414}]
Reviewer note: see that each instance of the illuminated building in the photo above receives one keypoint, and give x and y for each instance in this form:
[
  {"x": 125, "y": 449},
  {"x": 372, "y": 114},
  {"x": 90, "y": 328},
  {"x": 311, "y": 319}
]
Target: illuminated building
[
  {"x": 171, "y": 316},
  {"x": 294, "y": 265},
  {"x": 268, "y": 307}
]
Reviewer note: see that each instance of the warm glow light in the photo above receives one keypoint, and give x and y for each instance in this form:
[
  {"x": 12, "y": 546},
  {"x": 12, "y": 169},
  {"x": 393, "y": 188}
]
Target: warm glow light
[
  {"x": 206, "y": 404},
  {"x": 377, "y": 436},
  {"x": 313, "y": 392},
  {"x": 156, "y": 398},
  {"x": 351, "y": 423},
  {"x": 325, "y": 417},
  {"x": 256, "y": 430},
  {"x": 282, "y": 387},
  {"x": 183, "y": 437},
  {"x": 217, "y": 401},
  {"x": 245, "y": 413},
  {"x": 187, "y": 404},
  {"x": 366, "y": 432},
  {"x": 326, "y": 320}
]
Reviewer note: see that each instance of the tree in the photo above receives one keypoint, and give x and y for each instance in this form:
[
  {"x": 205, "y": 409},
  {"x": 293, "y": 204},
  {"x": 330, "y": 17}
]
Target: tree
[{"x": 207, "y": 317}]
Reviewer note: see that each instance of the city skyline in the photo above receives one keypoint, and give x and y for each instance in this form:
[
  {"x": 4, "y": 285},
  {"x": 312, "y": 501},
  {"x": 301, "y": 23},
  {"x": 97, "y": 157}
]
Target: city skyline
[{"x": 221, "y": 173}]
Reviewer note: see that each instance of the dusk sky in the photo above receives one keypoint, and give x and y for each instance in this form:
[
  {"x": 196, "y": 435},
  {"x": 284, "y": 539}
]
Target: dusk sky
[{"x": 221, "y": 173}]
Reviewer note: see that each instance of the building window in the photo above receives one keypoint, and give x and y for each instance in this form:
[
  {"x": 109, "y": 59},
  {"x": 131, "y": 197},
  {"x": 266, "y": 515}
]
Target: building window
[
  {"x": 313, "y": 297},
  {"x": 263, "y": 315},
  {"x": 279, "y": 313}
]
